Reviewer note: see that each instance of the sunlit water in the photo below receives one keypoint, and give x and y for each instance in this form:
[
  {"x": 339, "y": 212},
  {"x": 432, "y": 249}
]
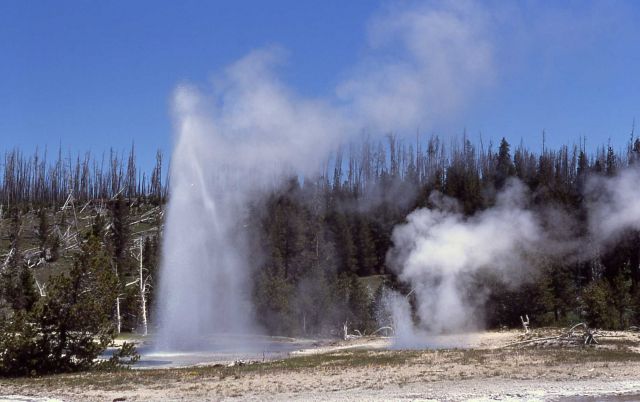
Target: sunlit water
[{"x": 219, "y": 349}]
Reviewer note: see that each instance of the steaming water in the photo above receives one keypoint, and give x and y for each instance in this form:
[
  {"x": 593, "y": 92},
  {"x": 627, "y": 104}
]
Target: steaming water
[{"x": 222, "y": 349}]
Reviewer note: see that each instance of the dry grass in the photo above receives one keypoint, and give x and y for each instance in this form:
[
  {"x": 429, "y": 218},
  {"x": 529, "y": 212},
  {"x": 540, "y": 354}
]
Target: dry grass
[{"x": 616, "y": 357}]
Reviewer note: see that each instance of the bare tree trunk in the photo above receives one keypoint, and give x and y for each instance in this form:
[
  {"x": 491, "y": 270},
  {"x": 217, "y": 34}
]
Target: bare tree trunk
[
  {"x": 143, "y": 286},
  {"x": 525, "y": 323},
  {"x": 143, "y": 293},
  {"x": 119, "y": 319},
  {"x": 41, "y": 288}
]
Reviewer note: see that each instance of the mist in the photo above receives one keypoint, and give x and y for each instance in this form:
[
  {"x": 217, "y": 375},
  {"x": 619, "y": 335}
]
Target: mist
[
  {"x": 438, "y": 251},
  {"x": 240, "y": 138},
  {"x": 614, "y": 205},
  {"x": 223, "y": 158}
]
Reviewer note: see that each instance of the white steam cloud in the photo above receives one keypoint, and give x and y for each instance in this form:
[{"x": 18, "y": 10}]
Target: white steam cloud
[
  {"x": 251, "y": 129},
  {"x": 430, "y": 62},
  {"x": 224, "y": 155},
  {"x": 438, "y": 251},
  {"x": 614, "y": 204}
]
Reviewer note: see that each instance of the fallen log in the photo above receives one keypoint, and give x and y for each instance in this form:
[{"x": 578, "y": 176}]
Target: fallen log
[
  {"x": 530, "y": 341},
  {"x": 588, "y": 337}
]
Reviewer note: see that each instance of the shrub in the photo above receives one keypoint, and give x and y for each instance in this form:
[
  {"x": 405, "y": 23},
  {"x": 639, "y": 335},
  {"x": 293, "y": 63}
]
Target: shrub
[{"x": 597, "y": 306}]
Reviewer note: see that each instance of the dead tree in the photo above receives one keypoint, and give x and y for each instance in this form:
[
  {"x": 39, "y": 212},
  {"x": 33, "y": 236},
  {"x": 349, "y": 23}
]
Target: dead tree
[
  {"x": 570, "y": 337},
  {"x": 525, "y": 323},
  {"x": 588, "y": 333},
  {"x": 143, "y": 286},
  {"x": 41, "y": 288}
]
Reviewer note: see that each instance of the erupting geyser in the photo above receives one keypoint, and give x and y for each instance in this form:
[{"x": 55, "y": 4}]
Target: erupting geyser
[
  {"x": 204, "y": 272},
  {"x": 251, "y": 130},
  {"x": 226, "y": 152}
]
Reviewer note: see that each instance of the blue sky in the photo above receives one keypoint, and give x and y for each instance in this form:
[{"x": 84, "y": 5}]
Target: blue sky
[{"x": 93, "y": 75}]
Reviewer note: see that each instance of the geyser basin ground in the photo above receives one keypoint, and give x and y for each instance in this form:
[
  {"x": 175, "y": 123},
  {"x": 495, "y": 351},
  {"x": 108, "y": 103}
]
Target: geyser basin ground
[
  {"x": 226, "y": 349},
  {"x": 218, "y": 349},
  {"x": 360, "y": 370}
]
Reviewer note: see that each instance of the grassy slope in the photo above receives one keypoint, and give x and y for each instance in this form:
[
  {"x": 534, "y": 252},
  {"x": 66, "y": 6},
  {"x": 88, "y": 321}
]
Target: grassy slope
[{"x": 61, "y": 221}]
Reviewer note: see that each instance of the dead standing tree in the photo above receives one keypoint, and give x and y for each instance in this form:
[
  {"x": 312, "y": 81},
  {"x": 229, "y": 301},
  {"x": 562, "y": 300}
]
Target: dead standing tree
[
  {"x": 143, "y": 282},
  {"x": 525, "y": 323},
  {"x": 71, "y": 237}
]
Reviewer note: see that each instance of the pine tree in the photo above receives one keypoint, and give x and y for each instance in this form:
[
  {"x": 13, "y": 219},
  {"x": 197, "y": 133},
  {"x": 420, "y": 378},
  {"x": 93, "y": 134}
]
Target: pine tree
[
  {"x": 504, "y": 167},
  {"x": 345, "y": 243},
  {"x": 611, "y": 164},
  {"x": 68, "y": 328},
  {"x": 583, "y": 170},
  {"x": 150, "y": 260},
  {"x": 119, "y": 244},
  {"x": 365, "y": 249},
  {"x": 18, "y": 287},
  {"x": 559, "y": 291},
  {"x": 120, "y": 234},
  {"x": 596, "y": 304},
  {"x": 78, "y": 308},
  {"x": 43, "y": 228}
]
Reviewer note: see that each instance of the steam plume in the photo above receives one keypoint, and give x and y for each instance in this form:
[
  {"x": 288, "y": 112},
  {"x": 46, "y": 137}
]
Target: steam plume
[
  {"x": 438, "y": 250},
  {"x": 614, "y": 204},
  {"x": 251, "y": 129}
]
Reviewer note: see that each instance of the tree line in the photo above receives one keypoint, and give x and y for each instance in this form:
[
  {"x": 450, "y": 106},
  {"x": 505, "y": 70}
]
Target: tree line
[
  {"x": 326, "y": 238},
  {"x": 38, "y": 179},
  {"x": 81, "y": 244}
]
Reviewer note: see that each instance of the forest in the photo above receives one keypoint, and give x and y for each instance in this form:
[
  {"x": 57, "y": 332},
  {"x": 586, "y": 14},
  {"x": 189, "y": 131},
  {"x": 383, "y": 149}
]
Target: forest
[{"x": 81, "y": 239}]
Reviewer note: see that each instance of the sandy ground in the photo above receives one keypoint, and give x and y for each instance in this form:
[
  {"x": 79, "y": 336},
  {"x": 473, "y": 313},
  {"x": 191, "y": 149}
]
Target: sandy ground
[
  {"x": 364, "y": 369},
  {"x": 476, "y": 340}
]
